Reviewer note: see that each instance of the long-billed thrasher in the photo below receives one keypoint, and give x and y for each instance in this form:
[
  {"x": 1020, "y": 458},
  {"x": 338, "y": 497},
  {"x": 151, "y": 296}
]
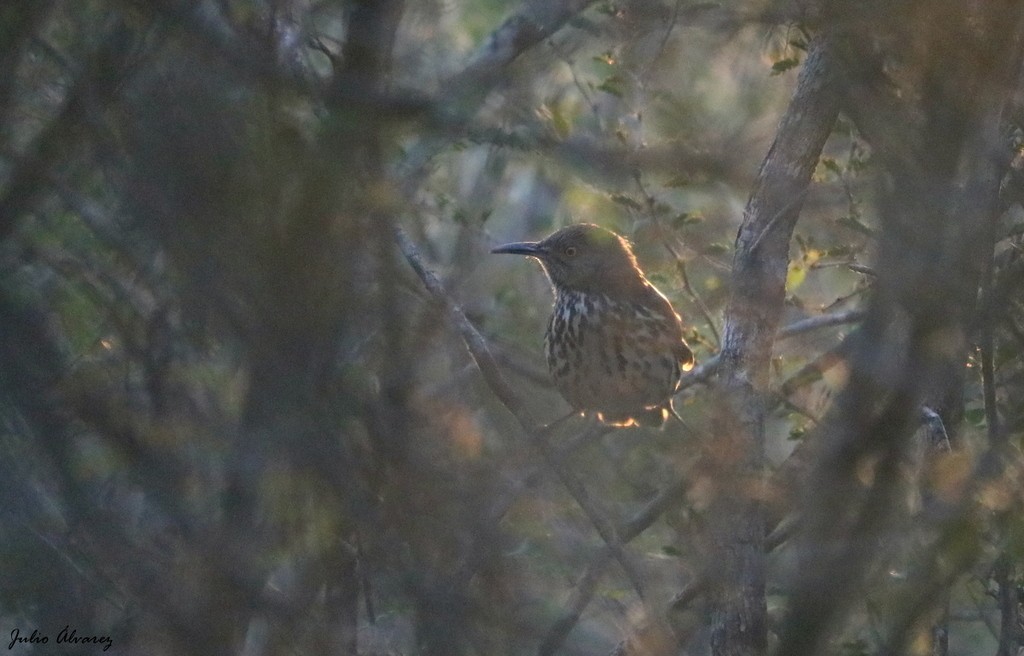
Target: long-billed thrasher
[{"x": 614, "y": 344}]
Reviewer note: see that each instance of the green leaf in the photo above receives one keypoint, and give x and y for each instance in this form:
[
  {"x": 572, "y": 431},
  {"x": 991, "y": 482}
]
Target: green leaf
[
  {"x": 623, "y": 199},
  {"x": 832, "y": 165},
  {"x": 975, "y": 416},
  {"x": 658, "y": 278},
  {"x": 853, "y": 223},
  {"x": 687, "y": 219},
  {"x": 856, "y": 647},
  {"x": 614, "y": 85},
  {"x": 661, "y": 209},
  {"x": 783, "y": 65},
  {"x": 559, "y": 122}
]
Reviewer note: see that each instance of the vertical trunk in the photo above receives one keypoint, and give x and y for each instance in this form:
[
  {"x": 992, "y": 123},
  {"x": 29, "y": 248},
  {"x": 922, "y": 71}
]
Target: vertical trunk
[
  {"x": 1010, "y": 629},
  {"x": 752, "y": 318}
]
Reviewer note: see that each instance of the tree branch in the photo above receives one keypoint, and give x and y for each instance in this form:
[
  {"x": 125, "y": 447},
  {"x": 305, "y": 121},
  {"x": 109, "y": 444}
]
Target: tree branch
[
  {"x": 587, "y": 584},
  {"x": 465, "y": 91},
  {"x": 535, "y": 434},
  {"x": 96, "y": 86}
]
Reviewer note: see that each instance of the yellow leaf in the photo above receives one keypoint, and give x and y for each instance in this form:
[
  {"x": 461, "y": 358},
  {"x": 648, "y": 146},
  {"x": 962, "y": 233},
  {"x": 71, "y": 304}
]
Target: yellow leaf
[{"x": 795, "y": 276}]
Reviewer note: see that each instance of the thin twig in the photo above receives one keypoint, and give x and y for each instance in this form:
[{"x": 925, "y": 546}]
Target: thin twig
[
  {"x": 677, "y": 258},
  {"x": 698, "y": 585},
  {"x": 860, "y": 268},
  {"x": 821, "y": 321},
  {"x": 664, "y": 39},
  {"x": 587, "y": 584},
  {"x": 706, "y": 369},
  {"x": 505, "y": 501},
  {"x": 466, "y": 90},
  {"x": 936, "y": 428}
]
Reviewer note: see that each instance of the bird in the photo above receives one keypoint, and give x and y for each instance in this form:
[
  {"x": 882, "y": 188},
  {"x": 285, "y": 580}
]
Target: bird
[{"x": 614, "y": 344}]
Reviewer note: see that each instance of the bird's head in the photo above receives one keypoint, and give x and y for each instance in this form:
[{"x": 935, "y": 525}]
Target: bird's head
[{"x": 583, "y": 258}]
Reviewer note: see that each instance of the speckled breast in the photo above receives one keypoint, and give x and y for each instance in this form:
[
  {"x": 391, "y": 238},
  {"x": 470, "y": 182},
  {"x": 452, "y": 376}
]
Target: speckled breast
[{"x": 609, "y": 356}]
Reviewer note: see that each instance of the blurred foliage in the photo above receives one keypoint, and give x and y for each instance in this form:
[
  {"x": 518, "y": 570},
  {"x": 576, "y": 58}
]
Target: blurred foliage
[{"x": 231, "y": 419}]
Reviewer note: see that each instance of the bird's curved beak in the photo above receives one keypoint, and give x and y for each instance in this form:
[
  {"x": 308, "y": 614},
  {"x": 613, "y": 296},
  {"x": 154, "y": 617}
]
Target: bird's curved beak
[{"x": 521, "y": 248}]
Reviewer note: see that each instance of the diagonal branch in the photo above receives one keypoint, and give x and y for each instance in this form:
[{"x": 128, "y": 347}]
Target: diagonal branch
[
  {"x": 535, "y": 434},
  {"x": 535, "y": 21},
  {"x": 587, "y": 584},
  {"x": 91, "y": 92},
  {"x": 708, "y": 368}
]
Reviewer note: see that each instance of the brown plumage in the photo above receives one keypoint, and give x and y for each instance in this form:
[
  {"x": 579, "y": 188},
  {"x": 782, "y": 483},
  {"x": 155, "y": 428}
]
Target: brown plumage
[{"x": 614, "y": 344}]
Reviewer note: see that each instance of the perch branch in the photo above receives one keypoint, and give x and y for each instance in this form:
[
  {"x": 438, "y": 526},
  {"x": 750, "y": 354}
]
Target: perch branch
[{"x": 705, "y": 370}]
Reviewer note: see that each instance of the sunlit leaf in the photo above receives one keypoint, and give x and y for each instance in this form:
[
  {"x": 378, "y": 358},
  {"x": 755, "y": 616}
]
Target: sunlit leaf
[{"x": 795, "y": 276}]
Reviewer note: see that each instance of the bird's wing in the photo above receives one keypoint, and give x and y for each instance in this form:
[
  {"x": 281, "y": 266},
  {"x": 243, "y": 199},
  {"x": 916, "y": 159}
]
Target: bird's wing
[{"x": 680, "y": 348}]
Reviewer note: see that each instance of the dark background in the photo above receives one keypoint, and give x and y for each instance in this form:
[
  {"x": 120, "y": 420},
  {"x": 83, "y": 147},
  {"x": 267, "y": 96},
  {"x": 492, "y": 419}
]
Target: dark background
[{"x": 263, "y": 390}]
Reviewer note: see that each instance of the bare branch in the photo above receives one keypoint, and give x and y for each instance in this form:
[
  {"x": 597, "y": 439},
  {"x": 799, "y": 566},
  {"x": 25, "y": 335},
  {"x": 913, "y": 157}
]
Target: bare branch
[
  {"x": 821, "y": 321},
  {"x": 96, "y": 86},
  {"x": 535, "y": 21},
  {"x": 706, "y": 369},
  {"x": 535, "y": 434},
  {"x": 587, "y": 583}
]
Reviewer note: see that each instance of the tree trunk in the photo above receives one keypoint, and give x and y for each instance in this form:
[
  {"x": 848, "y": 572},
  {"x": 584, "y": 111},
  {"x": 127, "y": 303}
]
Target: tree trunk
[{"x": 752, "y": 318}]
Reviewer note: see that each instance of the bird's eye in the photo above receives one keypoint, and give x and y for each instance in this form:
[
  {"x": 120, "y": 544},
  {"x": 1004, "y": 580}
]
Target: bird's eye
[{"x": 570, "y": 251}]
